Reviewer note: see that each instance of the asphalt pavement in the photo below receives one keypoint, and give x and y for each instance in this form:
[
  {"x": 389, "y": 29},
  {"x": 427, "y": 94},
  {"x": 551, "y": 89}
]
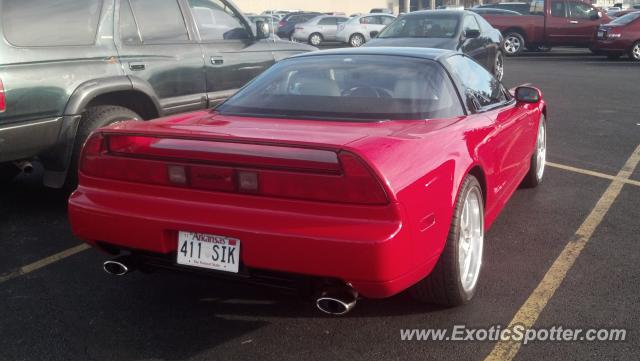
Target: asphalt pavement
[{"x": 72, "y": 310}]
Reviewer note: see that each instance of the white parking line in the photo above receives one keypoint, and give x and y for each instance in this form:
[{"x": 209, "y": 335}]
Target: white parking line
[
  {"x": 43, "y": 262},
  {"x": 594, "y": 174},
  {"x": 529, "y": 312}
]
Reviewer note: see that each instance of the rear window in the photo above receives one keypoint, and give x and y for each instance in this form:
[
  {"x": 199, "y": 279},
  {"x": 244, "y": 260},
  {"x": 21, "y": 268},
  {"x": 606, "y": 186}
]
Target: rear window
[
  {"x": 431, "y": 26},
  {"x": 28, "y": 23},
  {"x": 349, "y": 87},
  {"x": 624, "y": 20}
]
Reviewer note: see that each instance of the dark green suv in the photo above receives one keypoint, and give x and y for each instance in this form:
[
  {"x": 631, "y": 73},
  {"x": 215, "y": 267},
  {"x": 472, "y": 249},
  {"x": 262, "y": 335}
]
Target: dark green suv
[{"x": 70, "y": 66}]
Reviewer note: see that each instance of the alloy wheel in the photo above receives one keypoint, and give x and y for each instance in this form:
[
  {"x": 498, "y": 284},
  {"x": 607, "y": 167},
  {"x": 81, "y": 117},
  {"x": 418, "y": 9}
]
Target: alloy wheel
[
  {"x": 512, "y": 44},
  {"x": 471, "y": 241},
  {"x": 541, "y": 150},
  {"x": 635, "y": 51},
  {"x": 315, "y": 39},
  {"x": 499, "y": 66},
  {"x": 357, "y": 40}
]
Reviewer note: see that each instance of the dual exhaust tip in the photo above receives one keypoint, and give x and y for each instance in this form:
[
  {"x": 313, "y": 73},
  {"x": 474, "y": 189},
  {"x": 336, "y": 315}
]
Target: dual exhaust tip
[{"x": 335, "y": 300}]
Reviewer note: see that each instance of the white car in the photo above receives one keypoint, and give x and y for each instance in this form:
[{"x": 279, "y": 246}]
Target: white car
[
  {"x": 357, "y": 31},
  {"x": 319, "y": 29}
]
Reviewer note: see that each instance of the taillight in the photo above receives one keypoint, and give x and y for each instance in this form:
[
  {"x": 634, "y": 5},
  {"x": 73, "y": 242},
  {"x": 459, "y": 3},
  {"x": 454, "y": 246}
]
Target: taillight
[
  {"x": 265, "y": 170},
  {"x": 3, "y": 101}
]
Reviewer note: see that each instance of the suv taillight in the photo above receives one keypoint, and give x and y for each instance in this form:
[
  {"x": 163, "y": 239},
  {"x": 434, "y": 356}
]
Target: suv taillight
[
  {"x": 265, "y": 170},
  {"x": 3, "y": 101}
]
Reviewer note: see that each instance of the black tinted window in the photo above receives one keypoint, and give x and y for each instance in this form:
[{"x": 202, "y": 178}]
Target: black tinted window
[
  {"x": 479, "y": 86},
  {"x": 431, "y": 26},
  {"x": 159, "y": 21},
  {"x": 349, "y": 87},
  {"x": 50, "y": 22},
  {"x": 216, "y": 20}
]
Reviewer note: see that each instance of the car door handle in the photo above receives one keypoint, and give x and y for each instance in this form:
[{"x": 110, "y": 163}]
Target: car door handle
[
  {"x": 217, "y": 60},
  {"x": 137, "y": 66},
  {"x": 574, "y": 22}
]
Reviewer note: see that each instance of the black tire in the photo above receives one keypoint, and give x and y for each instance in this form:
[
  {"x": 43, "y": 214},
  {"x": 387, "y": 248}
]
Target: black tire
[
  {"x": 315, "y": 39},
  {"x": 634, "y": 52},
  {"x": 513, "y": 44},
  {"x": 533, "y": 177},
  {"x": 357, "y": 40},
  {"x": 443, "y": 286},
  {"x": 8, "y": 171},
  {"x": 92, "y": 119}
]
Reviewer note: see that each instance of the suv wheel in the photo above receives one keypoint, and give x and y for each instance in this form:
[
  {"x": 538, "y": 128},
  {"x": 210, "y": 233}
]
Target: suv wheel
[
  {"x": 93, "y": 118},
  {"x": 356, "y": 40}
]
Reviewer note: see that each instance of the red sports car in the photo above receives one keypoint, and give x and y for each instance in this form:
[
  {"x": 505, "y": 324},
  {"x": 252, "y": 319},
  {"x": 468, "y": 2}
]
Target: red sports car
[
  {"x": 620, "y": 37},
  {"x": 362, "y": 171}
]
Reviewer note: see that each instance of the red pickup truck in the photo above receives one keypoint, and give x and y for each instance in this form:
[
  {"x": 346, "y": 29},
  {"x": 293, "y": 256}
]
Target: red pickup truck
[{"x": 548, "y": 23}]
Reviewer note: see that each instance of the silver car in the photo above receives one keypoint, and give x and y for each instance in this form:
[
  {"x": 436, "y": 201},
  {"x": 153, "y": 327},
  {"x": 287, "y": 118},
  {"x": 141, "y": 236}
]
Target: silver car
[
  {"x": 357, "y": 31},
  {"x": 319, "y": 29}
]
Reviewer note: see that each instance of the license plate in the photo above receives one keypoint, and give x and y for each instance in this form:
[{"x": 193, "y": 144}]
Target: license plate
[
  {"x": 209, "y": 251},
  {"x": 600, "y": 34}
]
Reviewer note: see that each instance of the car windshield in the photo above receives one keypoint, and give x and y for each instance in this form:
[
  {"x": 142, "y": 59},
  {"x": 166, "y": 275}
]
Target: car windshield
[
  {"x": 350, "y": 88},
  {"x": 624, "y": 20},
  {"x": 431, "y": 26}
]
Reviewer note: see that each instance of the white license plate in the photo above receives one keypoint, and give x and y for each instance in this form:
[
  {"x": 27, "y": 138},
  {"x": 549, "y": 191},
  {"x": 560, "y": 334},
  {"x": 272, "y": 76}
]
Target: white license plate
[
  {"x": 600, "y": 34},
  {"x": 208, "y": 251}
]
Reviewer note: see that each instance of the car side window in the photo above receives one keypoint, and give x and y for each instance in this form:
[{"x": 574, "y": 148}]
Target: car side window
[
  {"x": 580, "y": 11},
  {"x": 159, "y": 21},
  {"x": 558, "y": 9},
  {"x": 216, "y": 20},
  {"x": 368, "y": 20},
  {"x": 480, "y": 89},
  {"x": 50, "y": 22},
  {"x": 470, "y": 23},
  {"x": 536, "y": 7},
  {"x": 328, "y": 21},
  {"x": 386, "y": 20}
]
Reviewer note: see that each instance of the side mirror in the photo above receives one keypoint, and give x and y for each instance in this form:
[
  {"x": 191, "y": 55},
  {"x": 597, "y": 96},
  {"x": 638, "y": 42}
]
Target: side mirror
[
  {"x": 263, "y": 30},
  {"x": 373, "y": 34},
  {"x": 527, "y": 94},
  {"x": 471, "y": 33}
]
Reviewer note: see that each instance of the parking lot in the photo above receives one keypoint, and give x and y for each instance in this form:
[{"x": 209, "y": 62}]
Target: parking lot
[{"x": 565, "y": 253}]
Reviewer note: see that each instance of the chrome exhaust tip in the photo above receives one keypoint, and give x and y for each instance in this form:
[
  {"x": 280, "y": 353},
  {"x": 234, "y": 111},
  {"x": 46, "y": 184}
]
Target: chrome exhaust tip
[
  {"x": 116, "y": 267},
  {"x": 337, "y": 301}
]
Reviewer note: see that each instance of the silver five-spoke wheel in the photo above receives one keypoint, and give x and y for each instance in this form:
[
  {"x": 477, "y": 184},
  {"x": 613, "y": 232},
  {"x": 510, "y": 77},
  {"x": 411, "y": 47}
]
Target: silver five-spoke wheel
[
  {"x": 541, "y": 149},
  {"x": 471, "y": 240}
]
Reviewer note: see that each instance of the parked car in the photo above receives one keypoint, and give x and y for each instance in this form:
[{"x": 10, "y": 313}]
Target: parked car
[
  {"x": 364, "y": 171},
  {"x": 549, "y": 23},
  {"x": 319, "y": 29},
  {"x": 287, "y": 26},
  {"x": 357, "y": 30},
  {"x": 457, "y": 30},
  {"x": 57, "y": 86},
  {"x": 619, "y": 37},
  {"x": 494, "y": 11}
]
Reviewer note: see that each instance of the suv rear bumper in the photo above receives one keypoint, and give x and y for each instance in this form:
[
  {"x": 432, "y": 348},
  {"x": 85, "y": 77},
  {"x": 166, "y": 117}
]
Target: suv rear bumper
[{"x": 26, "y": 139}]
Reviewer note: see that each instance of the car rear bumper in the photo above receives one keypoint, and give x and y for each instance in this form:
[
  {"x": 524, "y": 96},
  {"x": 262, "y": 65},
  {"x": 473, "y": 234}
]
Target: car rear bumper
[{"x": 367, "y": 247}]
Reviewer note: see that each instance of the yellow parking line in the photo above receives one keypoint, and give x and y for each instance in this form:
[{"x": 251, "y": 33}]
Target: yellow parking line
[
  {"x": 594, "y": 174},
  {"x": 533, "y": 306},
  {"x": 43, "y": 262}
]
